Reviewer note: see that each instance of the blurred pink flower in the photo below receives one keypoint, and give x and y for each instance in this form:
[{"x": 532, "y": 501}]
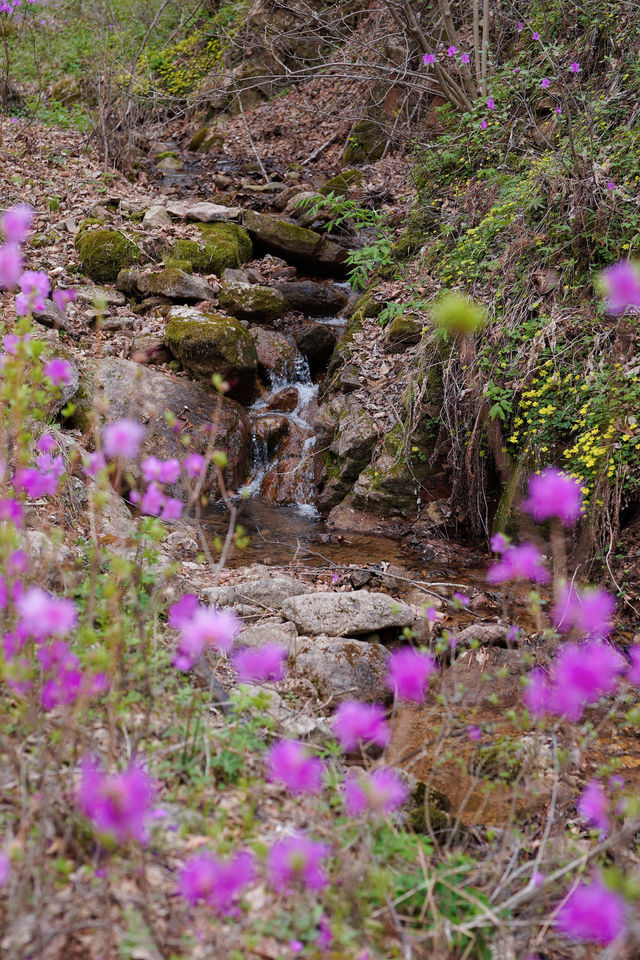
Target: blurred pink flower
[
  {"x": 5, "y": 868},
  {"x": 451, "y": 51},
  {"x": 41, "y": 615},
  {"x": 62, "y": 297},
  {"x": 118, "y": 804},
  {"x": 58, "y": 371},
  {"x": 593, "y": 805},
  {"x": 381, "y": 792},
  {"x": 491, "y": 104},
  {"x": 592, "y": 913},
  {"x": 291, "y": 763},
  {"x": 582, "y": 673},
  {"x": 356, "y": 723},
  {"x": 622, "y": 286},
  {"x": 34, "y": 287},
  {"x": 588, "y": 611},
  {"x": 218, "y": 883},
  {"x": 264, "y": 663},
  {"x": 545, "y": 82},
  {"x": 122, "y": 438},
  {"x": 11, "y": 264},
  {"x": 194, "y": 465},
  {"x": 523, "y": 562},
  {"x": 429, "y": 58},
  {"x": 207, "y": 627},
  {"x": 575, "y": 67},
  {"x": 408, "y": 673},
  {"x": 633, "y": 671},
  {"x": 16, "y": 223},
  {"x": 297, "y": 858},
  {"x": 553, "y": 493}
]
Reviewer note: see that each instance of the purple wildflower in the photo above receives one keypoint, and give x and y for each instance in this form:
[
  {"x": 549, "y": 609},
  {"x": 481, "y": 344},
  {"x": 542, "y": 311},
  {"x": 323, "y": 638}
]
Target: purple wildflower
[
  {"x": 265, "y": 663},
  {"x": 523, "y": 562},
  {"x": 297, "y": 858},
  {"x": 633, "y": 671},
  {"x": 5, "y": 868},
  {"x": 62, "y": 297},
  {"x": 59, "y": 371},
  {"x": 491, "y": 104},
  {"x": 582, "y": 673},
  {"x": 499, "y": 543},
  {"x": 575, "y": 67},
  {"x": 554, "y": 494},
  {"x": 587, "y": 611},
  {"x": 593, "y": 913},
  {"x": 593, "y": 805},
  {"x": 218, "y": 883},
  {"x": 545, "y": 82},
  {"x": 429, "y": 58},
  {"x": 379, "y": 792},
  {"x": 122, "y": 438},
  {"x": 117, "y": 804},
  {"x": 484, "y": 124},
  {"x": 291, "y": 763},
  {"x": 41, "y": 615},
  {"x": 16, "y": 222},
  {"x": 408, "y": 673},
  {"x": 451, "y": 51},
  {"x": 356, "y": 723},
  {"x": 194, "y": 465},
  {"x": 465, "y": 58},
  {"x": 621, "y": 283},
  {"x": 34, "y": 287},
  {"x": 535, "y": 36},
  {"x": 11, "y": 264}
]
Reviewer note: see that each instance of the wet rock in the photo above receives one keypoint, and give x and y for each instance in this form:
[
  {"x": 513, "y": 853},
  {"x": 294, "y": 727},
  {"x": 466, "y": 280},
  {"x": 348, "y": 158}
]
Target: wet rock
[
  {"x": 174, "y": 284},
  {"x": 103, "y": 253},
  {"x": 346, "y": 614},
  {"x": 209, "y": 343},
  {"x": 289, "y": 480},
  {"x": 251, "y": 302},
  {"x": 92, "y": 294},
  {"x": 52, "y": 316},
  {"x": 269, "y": 431},
  {"x": 257, "y": 596},
  {"x": 316, "y": 341},
  {"x": 341, "y": 183},
  {"x": 295, "y": 242},
  {"x": 360, "y": 578},
  {"x": 276, "y": 354},
  {"x": 127, "y": 280},
  {"x": 284, "y": 400},
  {"x": 206, "y": 139},
  {"x": 346, "y": 436},
  {"x": 342, "y": 668},
  {"x": 311, "y": 297},
  {"x": 114, "y": 388},
  {"x": 156, "y": 217}
]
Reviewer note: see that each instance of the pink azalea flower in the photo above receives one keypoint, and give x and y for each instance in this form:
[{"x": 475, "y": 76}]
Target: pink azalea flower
[
  {"x": 59, "y": 372},
  {"x": 554, "y": 494},
  {"x": 164, "y": 471},
  {"x": 153, "y": 500},
  {"x": 451, "y": 51},
  {"x": 122, "y": 438},
  {"x": 11, "y": 264},
  {"x": 118, "y": 804},
  {"x": 194, "y": 465},
  {"x": 206, "y": 628},
  {"x": 429, "y": 58},
  {"x": 172, "y": 509},
  {"x": 291, "y": 763},
  {"x": 535, "y": 36},
  {"x": 16, "y": 223},
  {"x": 183, "y": 611},
  {"x": 622, "y": 286},
  {"x": 575, "y": 67},
  {"x": 592, "y": 913},
  {"x": 62, "y": 297},
  {"x": 34, "y": 483},
  {"x": 65, "y": 684},
  {"x": 356, "y": 723},
  {"x": 545, "y": 82},
  {"x": 520, "y": 26},
  {"x": 46, "y": 443},
  {"x": 499, "y": 543},
  {"x": 11, "y": 512},
  {"x": 558, "y": 108},
  {"x": 465, "y": 58},
  {"x": 380, "y": 792},
  {"x": 593, "y": 805},
  {"x": 5, "y": 869},
  {"x": 484, "y": 124},
  {"x": 93, "y": 463},
  {"x": 408, "y": 673},
  {"x": 633, "y": 671},
  {"x": 473, "y": 732},
  {"x": 587, "y": 611},
  {"x": 523, "y": 562},
  {"x": 265, "y": 663},
  {"x": 218, "y": 883},
  {"x": 582, "y": 673},
  {"x": 297, "y": 858},
  {"x": 491, "y": 104},
  {"x": 611, "y": 185},
  {"x": 34, "y": 286},
  {"x": 41, "y": 615}
]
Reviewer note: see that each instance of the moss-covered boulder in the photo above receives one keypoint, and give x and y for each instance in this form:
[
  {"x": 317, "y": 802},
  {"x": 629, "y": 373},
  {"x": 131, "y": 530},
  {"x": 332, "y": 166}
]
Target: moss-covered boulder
[
  {"x": 251, "y": 301},
  {"x": 103, "y": 253},
  {"x": 366, "y": 143},
  {"x": 175, "y": 284},
  {"x": 341, "y": 182},
  {"x": 403, "y": 332},
  {"x": 209, "y": 343},
  {"x": 225, "y": 245},
  {"x": 346, "y": 435},
  {"x": 205, "y": 140},
  {"x": 296, "y": 243}
]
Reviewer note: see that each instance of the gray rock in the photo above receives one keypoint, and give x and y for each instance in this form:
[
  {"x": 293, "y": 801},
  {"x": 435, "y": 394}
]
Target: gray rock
[
  {"x": 296, "y": 242},
  {"x": 272, "y": 630},
  {"x": 201, "y": 211},
  {"x": 346, "y": 614},
  {"x": 175, "y": 284},
  {"x": 342, "y": 668},
  {"x": 52, "y": 316},
  {"x": 91, "y": 292},
  {"x": 156, "y": 216},
  {"x": 251, "y": 301},
  {"x": 486, "y": 634},
  {"x": 317, "y": 342},
  {"x": 150, "y": 348},
  {"x": 257, "y": 596},
  {"x": 170, "y": 165}
]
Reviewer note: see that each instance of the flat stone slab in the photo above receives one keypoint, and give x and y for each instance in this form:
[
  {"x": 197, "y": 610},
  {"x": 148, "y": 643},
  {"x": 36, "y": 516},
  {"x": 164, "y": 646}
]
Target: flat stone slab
[
  {"x": 342, "y": 668},
  {"x": 346, "y": 614},
  {"x": 202, "y": 211},
  {"x": 90, "y": 293},
  {"x": 257, "y": 596}
]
